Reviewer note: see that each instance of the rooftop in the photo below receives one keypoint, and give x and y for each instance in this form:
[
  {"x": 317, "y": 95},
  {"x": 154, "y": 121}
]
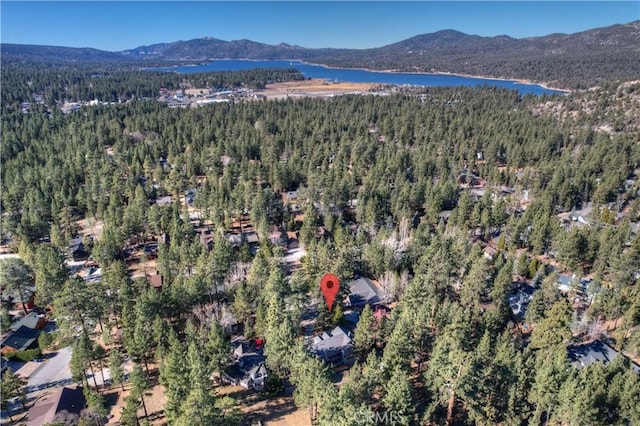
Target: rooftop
[
  {"x": 258, "y": 370},
  {"x": 22, "y": 338},
  {"x": 330, "y": 340},
  {"x": 596, "y": 351},
  {"x": 163, "y": 201},
  {"x": 362, "y": 291},
  {"x": 32, "y": 321},
  {"x": 69, "y": 399},
  {"x": 246, "y": 354},
  {"x": 75, "y": 244},
  {"x": 155, "y": 280},
  {"x": 252, "y": 238},
  {"x": 520, "y": 298}
]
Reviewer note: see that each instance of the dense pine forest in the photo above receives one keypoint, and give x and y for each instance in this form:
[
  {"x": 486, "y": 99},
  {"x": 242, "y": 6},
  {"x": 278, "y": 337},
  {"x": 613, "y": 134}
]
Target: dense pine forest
[
  {"x": 450, "y": 199},
  {"x": 51, "y": 84}
]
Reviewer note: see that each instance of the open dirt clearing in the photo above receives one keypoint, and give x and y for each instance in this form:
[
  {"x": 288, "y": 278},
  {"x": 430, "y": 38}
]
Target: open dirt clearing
[
  {"x": 279, "y": 411},
  {"x": 314, "y": 87}
]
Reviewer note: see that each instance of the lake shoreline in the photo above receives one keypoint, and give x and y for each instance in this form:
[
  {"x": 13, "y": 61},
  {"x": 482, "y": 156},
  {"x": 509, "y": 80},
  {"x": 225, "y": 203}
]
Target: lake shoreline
[
  {"x": 523, "y": 82},
  {"x": 445, "y": 73}
]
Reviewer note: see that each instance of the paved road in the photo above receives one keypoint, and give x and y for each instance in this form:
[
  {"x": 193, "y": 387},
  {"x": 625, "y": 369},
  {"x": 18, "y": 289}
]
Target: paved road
[
  {"x": 9, "y": 256},
  {"x": 53, "y": 371}
]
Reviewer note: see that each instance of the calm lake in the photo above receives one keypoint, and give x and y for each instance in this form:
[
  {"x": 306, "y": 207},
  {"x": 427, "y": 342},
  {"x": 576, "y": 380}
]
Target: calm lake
[{"x": 362, "y": 76}]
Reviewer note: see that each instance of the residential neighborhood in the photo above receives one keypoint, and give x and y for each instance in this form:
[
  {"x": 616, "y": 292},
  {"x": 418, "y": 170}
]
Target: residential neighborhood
[{"x": 442, "y": 230}]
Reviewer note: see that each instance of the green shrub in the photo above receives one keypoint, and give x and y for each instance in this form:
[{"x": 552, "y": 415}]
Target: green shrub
[
  {"x": 25, "y": 356},
  {"x": 44, "y": 341},
  {"x": 273, "y": 385}
]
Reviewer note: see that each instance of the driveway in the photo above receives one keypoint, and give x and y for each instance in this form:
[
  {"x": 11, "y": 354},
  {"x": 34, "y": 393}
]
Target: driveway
[{"x": 53, "y": 371}]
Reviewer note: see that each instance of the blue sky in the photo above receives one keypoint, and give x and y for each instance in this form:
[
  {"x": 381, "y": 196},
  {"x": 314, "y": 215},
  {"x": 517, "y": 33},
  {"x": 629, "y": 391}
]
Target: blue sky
[{"x": 118, "y": 26}]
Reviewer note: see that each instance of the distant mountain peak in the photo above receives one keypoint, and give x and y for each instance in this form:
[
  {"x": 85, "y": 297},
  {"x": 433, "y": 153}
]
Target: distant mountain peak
[
  {"x": 567, "y": 60},
  {"x": 450, "y": 32}
]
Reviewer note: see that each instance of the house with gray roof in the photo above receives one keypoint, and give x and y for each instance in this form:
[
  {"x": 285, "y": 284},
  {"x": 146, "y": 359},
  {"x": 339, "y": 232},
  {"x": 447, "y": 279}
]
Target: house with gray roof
[
  {"x": 582, "y": 286},
  {"x": 334, "y": 347},
  {"x": 76, "y": 249},
  {"x": 519, "y": 299},
  {"x": 164, "y": 201},
  {"x": 33, "y": 321},
  {"x": 565, "y": 282},
  {"x": 596, "y": 351},
  {"x": 248, "y": 370},
  {"x": 255, "y": 378},
  {"x": 252, "y": 238},
  {"x": 22, "y": 339},
  {"x": 362, "y": 291}
]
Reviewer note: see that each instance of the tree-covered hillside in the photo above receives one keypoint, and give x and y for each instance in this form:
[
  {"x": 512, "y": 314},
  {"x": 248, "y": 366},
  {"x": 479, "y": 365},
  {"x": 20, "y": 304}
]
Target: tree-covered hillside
[{"x": 572, "y": 61}]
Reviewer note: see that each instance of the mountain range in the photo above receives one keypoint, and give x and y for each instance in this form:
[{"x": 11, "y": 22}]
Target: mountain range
[{"x": 576, "y": 60}]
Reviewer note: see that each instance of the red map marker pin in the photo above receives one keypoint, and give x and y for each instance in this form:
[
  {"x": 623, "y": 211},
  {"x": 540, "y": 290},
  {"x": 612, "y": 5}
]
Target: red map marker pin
[{"x": 329, "y": 284}]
